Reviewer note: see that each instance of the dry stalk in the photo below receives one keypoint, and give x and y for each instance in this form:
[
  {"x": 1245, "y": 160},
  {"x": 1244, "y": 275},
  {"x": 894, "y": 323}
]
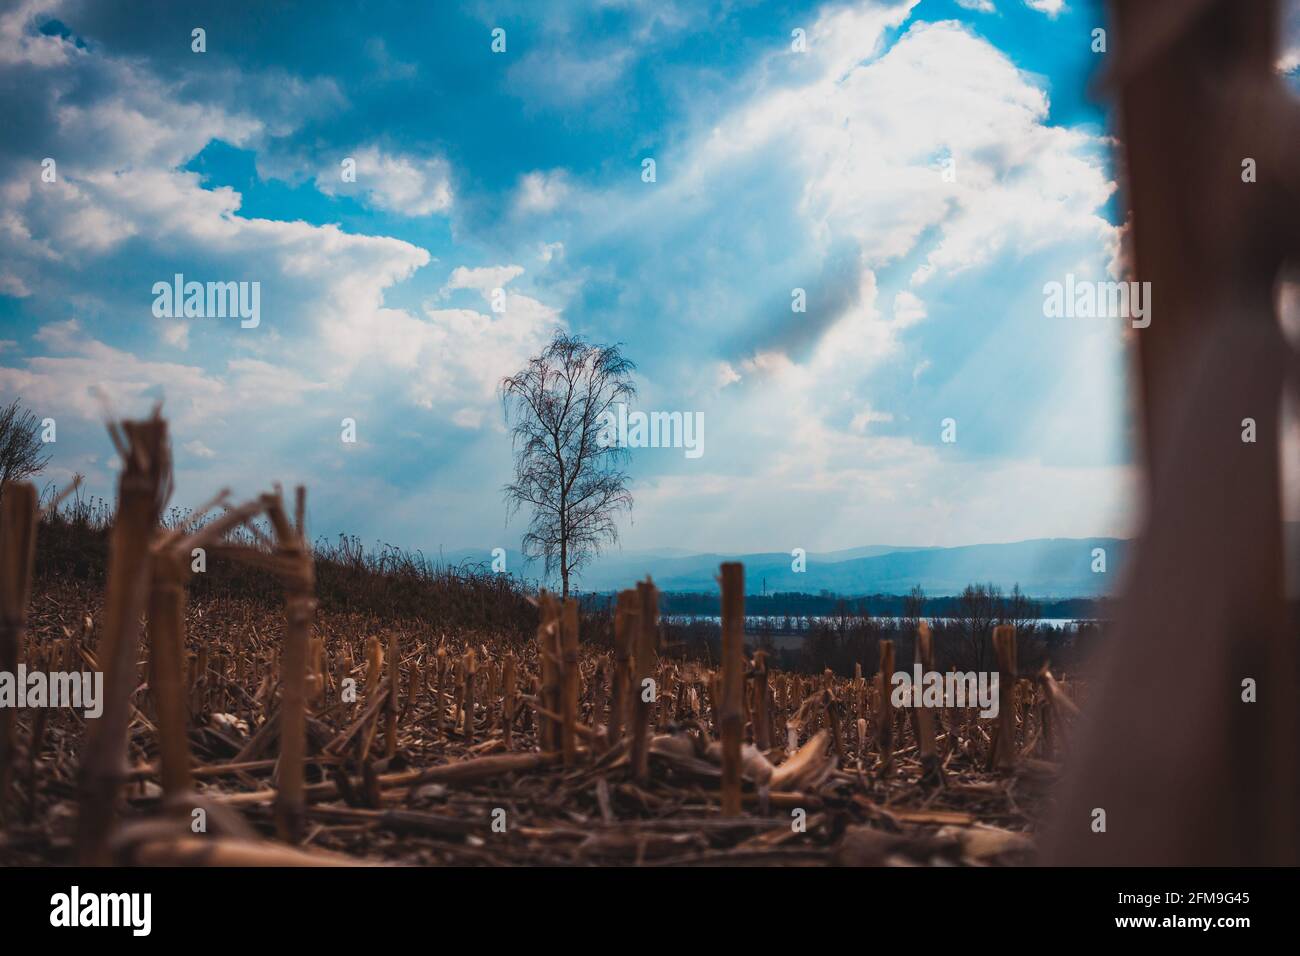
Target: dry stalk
[
  {"x": 440, "y": 700},
  {"x": 298, "y": 574},
  {"x": 508, "y": 701},
  {"x": 762, "y": 717},
  {"x": 167, "y": 600},
  {"x": 931, "y": 766},
  {"x": 143, "y": 490},
  {"x": 1003, "y": 752},
  {"x": 391, "y": 709},
  {"x": 733, "y": 683},
  {"x": 625, "y": 627},
  {"x": 470, "y": 665},
  {"x": 548, "y": 632},
  {"x": 885, "y": 708},
  {"x": 569, "y": 677},
  {"x": 643, "y": 691},
  {"x": 17, "y": 550}
]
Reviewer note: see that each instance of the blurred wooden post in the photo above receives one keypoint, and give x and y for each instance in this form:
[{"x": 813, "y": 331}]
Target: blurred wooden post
[
  {"x": 569, "y": 681},
  {"x": 733, "y": 682},
  {"x": 646, "y": 659},
  {"x": 1198, "y": 94},
  {"x": 1004, "y": 743},
  {"x": 18, "y": 511}
]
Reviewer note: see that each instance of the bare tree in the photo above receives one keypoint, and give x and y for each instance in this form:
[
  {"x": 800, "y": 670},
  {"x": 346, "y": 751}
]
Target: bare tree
[
  {"x": 1021, "y": 611},
  {"x": 978, "y": 611},
  {"x": 574, "y": 483},
  {"x": 22, "y": 453},
  {"x": 913, "y": 608}
]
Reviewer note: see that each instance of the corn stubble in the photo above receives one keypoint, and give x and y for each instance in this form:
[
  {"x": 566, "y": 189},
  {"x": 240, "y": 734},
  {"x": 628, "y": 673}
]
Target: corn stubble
[{"x": 309, "y": 738}]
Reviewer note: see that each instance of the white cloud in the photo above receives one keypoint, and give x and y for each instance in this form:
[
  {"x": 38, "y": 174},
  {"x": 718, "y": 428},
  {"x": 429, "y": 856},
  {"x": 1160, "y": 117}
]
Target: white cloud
[
  {"x": 482, "y": 280},
  {"x": 395, "y": 182},
  {"x": 13, "y": 285},
  {"x": 461, "y": 355},
  {"x": 176, "y": 334},
  {"x": 1289, "y": 61},
  {"x": 855, "y": 131},
  {"x": 468, "y": 417},
  {"x": 858, "y": 131},
  {"x": 541, "y": 192},
  {"x": 1053, "y": 8},
  {"x": 908, "y": 309},
  {"x": 254, "y": 381},
  {"x": 867, "y": 416},
  {"x": 864, "y": 133},
  {"x": 980, "y": 6},
  {"x": 20, "y": 43},
  {"x": 63, "y": 382}
]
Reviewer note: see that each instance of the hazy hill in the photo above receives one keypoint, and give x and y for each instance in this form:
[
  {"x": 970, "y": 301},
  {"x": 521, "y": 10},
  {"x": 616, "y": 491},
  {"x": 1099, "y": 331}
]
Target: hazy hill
[{"x": 1056, "y": 567}]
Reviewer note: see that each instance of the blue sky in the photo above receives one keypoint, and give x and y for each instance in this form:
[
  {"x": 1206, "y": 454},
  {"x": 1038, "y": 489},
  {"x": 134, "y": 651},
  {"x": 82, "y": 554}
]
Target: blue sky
[{"x": 521, "y": 171}]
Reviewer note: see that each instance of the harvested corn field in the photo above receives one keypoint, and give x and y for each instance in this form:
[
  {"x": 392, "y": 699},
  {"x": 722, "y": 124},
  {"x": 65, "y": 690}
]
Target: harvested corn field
[{"x": 256, "y": 734}]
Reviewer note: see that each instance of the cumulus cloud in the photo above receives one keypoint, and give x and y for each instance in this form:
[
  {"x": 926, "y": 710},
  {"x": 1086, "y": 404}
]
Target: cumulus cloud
[
  {"x": 395, "y": 182},
  {"x": 908, "y": 309},
  {"x": 1053, "y": 8},
  {"x": 541, "y": 191},
  {"x": 843, "y": 148},
  {"x": 20, "y": 43},
  {"x": 483, "y": 280},
  {"x": 858, "y": 131},
  {"x": 125, "y": 213},
  {"x": 78, "y": 369}
]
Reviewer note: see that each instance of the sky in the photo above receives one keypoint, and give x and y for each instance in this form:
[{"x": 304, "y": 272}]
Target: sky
[{"x": 919, "y": 169}]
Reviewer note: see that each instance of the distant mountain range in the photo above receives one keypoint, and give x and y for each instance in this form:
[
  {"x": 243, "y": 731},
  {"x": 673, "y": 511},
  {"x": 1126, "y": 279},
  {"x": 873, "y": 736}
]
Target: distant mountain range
[{"x": 1044, "y": 567}]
